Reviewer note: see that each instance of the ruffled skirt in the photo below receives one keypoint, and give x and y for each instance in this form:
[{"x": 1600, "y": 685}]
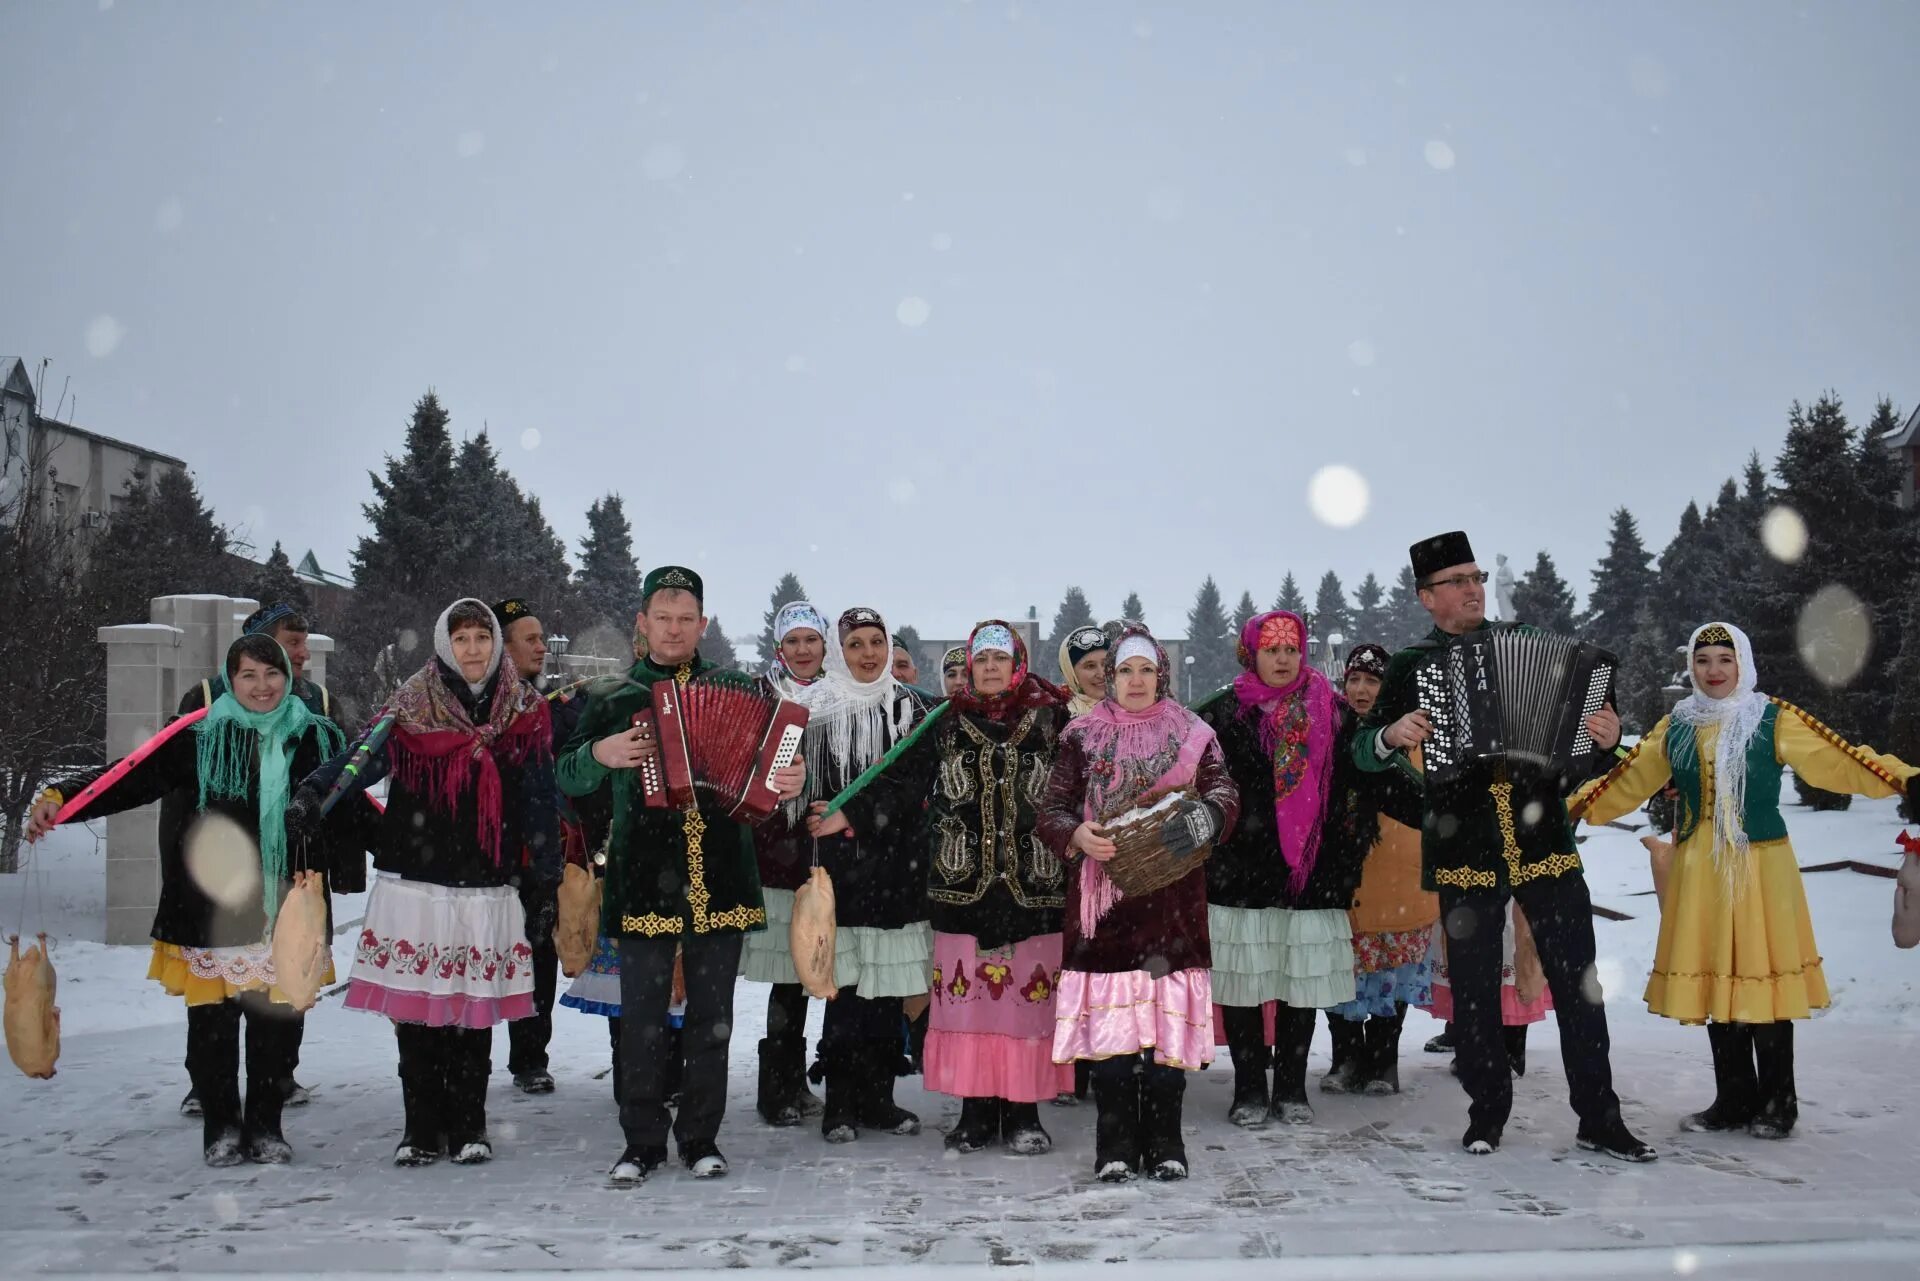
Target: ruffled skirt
[
  {"x": 442, "y": 956},
  {"x": 1101, "y": 1016},
  {"x": 990, "y": 1030},
  {"x": 596, "y": 989},
  {"x": 879, "y": 963},
  {"x": 766, "y": 956},
  {"x": 1304, "y": 958},
  {"x": 210, "y": 975}
]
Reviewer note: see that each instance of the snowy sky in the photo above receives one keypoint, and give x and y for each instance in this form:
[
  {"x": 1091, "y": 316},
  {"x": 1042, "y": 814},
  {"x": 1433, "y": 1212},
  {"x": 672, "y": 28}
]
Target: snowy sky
[{"x": 947, "y": 305}]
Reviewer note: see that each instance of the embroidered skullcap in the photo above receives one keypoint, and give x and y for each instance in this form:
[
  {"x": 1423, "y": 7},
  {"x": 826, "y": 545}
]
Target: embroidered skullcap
[
  {"x": 1442, "y": 551},
  {"x": 1137, "y": 645},
  {"x": 1713, "y": 634},
  {"x": 512, "y": 610},
  {"x": 1086, "y": 640},
  {"x": 796, "y": 614},
  {"x": 859, "y": 616},
  {"x": 994, "y": 636},
  {"x": 1281, "y": 629},
  {"x": 267, "y": 617},
  {"x": 955, "y": 657},
  {"x": 1369, "y": 658},
  {"x": 672, "y": 576}
]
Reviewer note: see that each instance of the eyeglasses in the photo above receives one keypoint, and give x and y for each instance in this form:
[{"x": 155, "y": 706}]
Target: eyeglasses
[{"x": 1459, "y": 580}]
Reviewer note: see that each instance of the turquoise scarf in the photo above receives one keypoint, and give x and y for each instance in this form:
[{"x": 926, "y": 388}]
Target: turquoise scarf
[{"x": 237, "y": 745}]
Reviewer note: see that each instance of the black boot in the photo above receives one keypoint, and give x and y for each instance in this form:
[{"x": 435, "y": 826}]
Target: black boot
[
  {"x": 213, "y": 1064},
  {"x": 272, "y": 1041},
  {"x": 838, "y": 1066},
  {"x": 1021, "y": 1130},
  {"x": 775, "y": 1101},
  {"x": 1116, "y": 1134},
  {"x": 1515, "y": 1039},
  {"x": 469, "y": 1063},
  {"x": 1735, "y": 1091},
  {"x": 1779, "y": 1100},
  {"x": 979, "y": 1126},
  {"x": 883, "y": 1065},
  {"x": 1247, "y": 1047},
  {"x": 1383, "y": 1052},
  {"x": 613, "y": 1034},
  {"x": 1441, "y": 1044},
  {"x": 1292, "y": 1038},
  {"x": 1162, "y": 1090},
  {"x": 422, "y": 1083},
  {"x": 1350, "y": 1062}
]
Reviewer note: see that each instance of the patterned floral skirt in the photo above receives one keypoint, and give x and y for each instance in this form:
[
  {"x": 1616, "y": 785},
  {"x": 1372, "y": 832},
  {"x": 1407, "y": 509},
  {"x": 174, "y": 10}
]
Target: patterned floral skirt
[
  {"x": 1391, "y": 968},
  {"x": 596, "y": 989},
  {"x": 990, "y": 1031},
  {"x": 442, "y": 956}
]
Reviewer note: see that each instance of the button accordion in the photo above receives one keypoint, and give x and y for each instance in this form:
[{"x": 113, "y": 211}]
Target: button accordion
[
  {"x": 722, "y": 737},
  {"x": 1513, "y": 695}
]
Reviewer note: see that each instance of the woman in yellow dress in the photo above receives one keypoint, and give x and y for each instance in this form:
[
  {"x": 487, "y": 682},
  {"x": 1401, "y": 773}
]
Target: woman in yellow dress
[{"x": 1736, "y": 948}]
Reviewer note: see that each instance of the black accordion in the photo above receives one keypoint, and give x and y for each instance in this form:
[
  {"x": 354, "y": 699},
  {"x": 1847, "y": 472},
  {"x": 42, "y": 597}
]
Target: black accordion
[{"x": 1513, "y": 695}]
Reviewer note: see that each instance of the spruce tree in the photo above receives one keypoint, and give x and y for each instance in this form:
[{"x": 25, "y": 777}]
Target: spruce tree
[
  {"x": 1371, "y": 617},
  {"x": 1208, "y": 644},
  {"x": 1289, "y": 597},
  {"x": 785, "y": 592},
  {"x": 163, "y": 541},
  {"x": 1331, "y": 614},
  {"x": 1903, "y": 740},
  {"x": 1243, "y": 612},
  {"x": 1132, "y": 609},
  {"x": 1074, "y": 613},
  {"x": 504, "y": 545},
  {"x": 1408, "y": 620},
  {"x": 1647, "y": 663},
  {"x": 716, "y": 648},
  {"x": 607, "y": 585},
  {"x": 402, "y": 565},
  {"x": 1622, "y": 582},
  {"x": 275, "y": 582},
  {"x": 1542, "y": 598}
]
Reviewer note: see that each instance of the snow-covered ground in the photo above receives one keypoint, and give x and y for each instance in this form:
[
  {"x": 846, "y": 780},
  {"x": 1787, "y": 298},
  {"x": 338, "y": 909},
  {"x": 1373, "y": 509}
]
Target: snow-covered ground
[{"x": 99, "y": 1173}]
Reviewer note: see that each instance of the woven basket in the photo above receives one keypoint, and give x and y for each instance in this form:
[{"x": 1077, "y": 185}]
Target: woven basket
[{"x": 1142, "y": 864}]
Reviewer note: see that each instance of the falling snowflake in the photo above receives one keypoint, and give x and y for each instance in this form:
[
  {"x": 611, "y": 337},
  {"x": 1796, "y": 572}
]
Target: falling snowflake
[
  {"x": 1784, "y": 534},
  {"x": 913, "y": 311},
  {"x": 1338, "y": 496},
  {"x": 663, "y": 160},
  {"x": 1439, "y": 155},
  {"x": 168, "y": 217},
  {"x": 1360, "y": 352},
  {"x": 103, "y": 335},
  {"x": 470, "y": 144},
  {"x": 530, "y": 439},
  {"x": 1834, "y": 635}
]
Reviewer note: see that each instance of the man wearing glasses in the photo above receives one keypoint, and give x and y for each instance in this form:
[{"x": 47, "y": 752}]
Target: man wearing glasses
[{"x": 1499, "y": 830}]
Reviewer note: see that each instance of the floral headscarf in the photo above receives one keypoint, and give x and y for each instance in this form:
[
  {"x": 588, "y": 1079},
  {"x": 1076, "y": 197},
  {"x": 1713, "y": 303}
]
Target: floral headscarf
[{"x": 1297, "y": 724}]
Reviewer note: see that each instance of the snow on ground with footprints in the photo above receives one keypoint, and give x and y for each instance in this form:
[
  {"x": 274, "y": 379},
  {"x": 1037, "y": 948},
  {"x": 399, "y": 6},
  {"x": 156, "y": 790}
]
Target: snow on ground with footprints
[{"x": 100, "y": 1174}]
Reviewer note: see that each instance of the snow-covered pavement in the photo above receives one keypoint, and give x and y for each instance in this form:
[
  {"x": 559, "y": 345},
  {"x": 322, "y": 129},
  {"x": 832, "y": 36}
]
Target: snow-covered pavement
[{"x": 99, "y": 1173}]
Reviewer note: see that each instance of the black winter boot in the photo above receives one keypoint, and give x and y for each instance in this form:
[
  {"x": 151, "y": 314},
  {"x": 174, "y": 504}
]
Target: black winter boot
[
  {"x": 1351, "y": 1066},
  {"x": 979, "y": 1126},
  {"x": 883, "y": 1065},
  {"x": 1778, "y": 1098},
  {"x": 469, "y": 1063},
  {"x": 775, "y": 1098},
  {"x": 838, "y": 1065},
  {"x": 1735, "y": 1089},
  {"x": 213, "y": 1064},
  {"x": 1383, "y": 1052},
  {"x": 422, "y": 1083},
  {"x": 1020, "y": 1128},
  {"x": 1292, "y": 1038},
  {"x": 1116, "y": 1135},
  {"x": 1247, "y": 1047},
  {"x": 1163, "y": 1089},
  {"x": 1515, "y": 1038}
]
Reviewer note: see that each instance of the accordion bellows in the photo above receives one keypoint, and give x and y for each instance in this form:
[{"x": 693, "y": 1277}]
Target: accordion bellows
[
  {"x": 1513, "y": 695},
  {"x": 724, "y": 735}
]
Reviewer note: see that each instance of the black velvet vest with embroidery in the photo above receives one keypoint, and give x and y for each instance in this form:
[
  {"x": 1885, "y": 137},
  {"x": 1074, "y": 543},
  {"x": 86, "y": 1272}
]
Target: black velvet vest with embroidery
[{"x": 989, "y": 874}]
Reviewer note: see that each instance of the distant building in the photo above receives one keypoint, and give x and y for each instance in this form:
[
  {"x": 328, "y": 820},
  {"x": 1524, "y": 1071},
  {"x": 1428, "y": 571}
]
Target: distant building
[
  {"x": 1905, "y": 444},
  {"x": 77, "y": 475}
]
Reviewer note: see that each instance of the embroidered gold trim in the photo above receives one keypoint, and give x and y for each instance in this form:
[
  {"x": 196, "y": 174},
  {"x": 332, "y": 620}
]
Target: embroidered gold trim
[
  {"x": 650, "y": 925},
  {"x": 1466, "y": 878},
  {"x": 1519, "y": 873}
]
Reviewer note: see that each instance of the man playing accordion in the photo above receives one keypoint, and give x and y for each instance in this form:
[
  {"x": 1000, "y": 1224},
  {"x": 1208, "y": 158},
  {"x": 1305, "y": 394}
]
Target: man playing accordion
[
  {"x": 1496, "y": 830},
  {"x": 677, "y": 879}
]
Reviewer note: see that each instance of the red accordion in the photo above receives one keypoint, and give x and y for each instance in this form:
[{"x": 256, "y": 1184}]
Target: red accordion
[{"x": 724, "y": 735}]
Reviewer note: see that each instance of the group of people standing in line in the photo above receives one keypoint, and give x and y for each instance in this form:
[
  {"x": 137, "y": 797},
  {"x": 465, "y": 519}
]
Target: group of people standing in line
[{"x": 980, "y": 938}]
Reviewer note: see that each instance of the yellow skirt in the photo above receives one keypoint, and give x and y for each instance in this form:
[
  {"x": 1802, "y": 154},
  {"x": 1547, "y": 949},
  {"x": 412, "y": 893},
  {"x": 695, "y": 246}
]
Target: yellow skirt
[
  {"x": 1751, "y": 960},
  {"x": 206, "y": 977}
]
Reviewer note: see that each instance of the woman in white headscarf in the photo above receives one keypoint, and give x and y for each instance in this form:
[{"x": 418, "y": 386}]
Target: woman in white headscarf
[
  {"x": 1736, "y": 948},
  {"x": 875, "y": 850}
]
